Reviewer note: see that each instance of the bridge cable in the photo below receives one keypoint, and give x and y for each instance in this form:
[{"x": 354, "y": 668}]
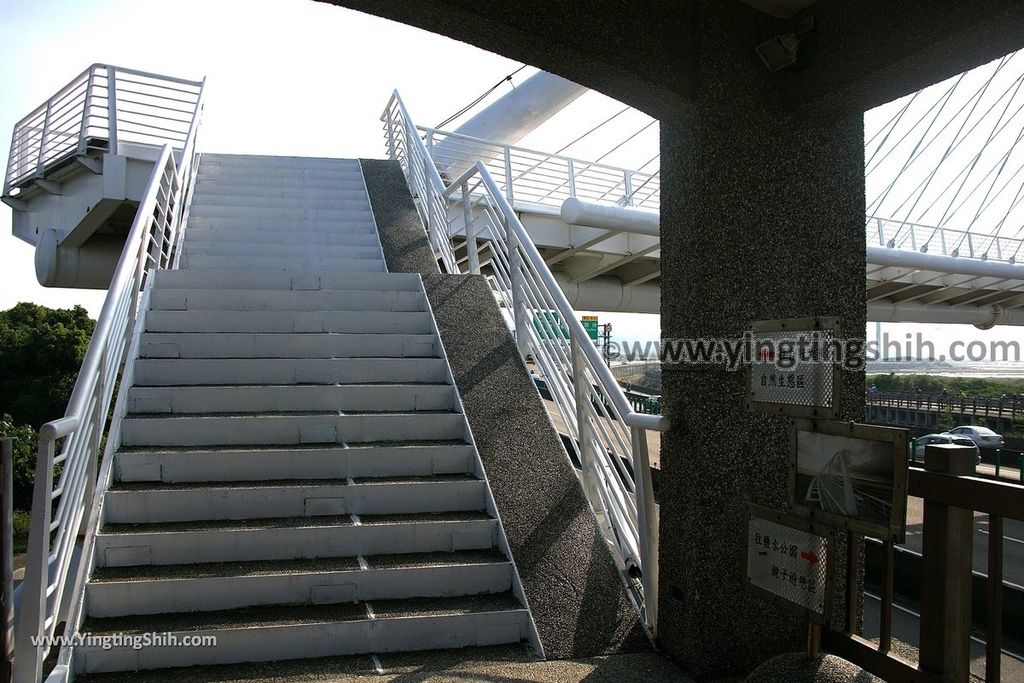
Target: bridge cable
[{"x": 478, "y": 100}]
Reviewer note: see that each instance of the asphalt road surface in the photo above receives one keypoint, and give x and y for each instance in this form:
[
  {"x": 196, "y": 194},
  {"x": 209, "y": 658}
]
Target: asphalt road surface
[
  {"x": 1013, "y": 543},
  {"x": 905, "y": 631}
]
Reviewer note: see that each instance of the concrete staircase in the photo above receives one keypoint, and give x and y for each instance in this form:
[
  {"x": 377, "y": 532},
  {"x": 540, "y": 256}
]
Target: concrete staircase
[{"x": 296, "y": 476}]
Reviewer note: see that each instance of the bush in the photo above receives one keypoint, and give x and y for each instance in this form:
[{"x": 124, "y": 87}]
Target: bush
[
  {"x": 21, "y": 522},
  {"x": 41, "y": 351},
  {"x": 24, "y": 460}
]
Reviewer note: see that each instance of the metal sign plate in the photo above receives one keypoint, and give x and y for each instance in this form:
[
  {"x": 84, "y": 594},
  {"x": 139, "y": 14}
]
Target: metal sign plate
[
  {"x": 790, "y": 372},
  {"x": 787, "y": 562},
  {"x": 590, "y": 325},
  {"x": 849, "y": 475}
]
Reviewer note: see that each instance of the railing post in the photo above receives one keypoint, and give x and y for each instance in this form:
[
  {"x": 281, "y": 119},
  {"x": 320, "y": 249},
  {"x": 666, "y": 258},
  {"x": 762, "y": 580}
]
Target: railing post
[
  {"x": 389, "y": 123},
  {"x": 581, "y": 395},
  {"x": 647, "y": 525},
  {"x": 948, "y": 543},
  {"x": 32, "y": 618},
  {"x": 6, "y": 559},
  {"x": 111, "y": 110},
  {"x": 572, "y": 178},
  {"x": 426, "y": 199},
  {"x": 509, "y": 194},
  {"x": 627, "y": 180},
  {"x": 42, "y": 139},
  {"x": 519, "y": 316},
  {"x": 83, "y": 133},
  {"x": 467, "y": 219},
  {"x": 430, "y": 144}
]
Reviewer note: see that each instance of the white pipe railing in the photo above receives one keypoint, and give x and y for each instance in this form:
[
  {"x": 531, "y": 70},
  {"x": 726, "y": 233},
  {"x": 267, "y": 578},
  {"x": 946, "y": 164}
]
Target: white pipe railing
[
  {"x": 65, "y": 487},
  {"x": 944, "y": 241},
  {"x": 100, "y": 108},
  {"x": 539, "y": 177},
  {"x": 607, "y": 436}
]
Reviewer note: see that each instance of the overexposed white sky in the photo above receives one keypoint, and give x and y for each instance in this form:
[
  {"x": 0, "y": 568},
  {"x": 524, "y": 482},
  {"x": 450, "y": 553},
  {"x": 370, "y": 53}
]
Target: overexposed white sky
[{"x": 292, "y": 77}]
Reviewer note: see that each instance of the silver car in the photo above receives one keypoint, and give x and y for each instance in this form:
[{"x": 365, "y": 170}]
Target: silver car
[
  {"x": 983, "y": 437},
  {"x": 945, "y": 437}
]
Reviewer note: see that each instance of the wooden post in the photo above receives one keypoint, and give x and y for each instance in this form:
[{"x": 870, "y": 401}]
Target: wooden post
[
  {"x": 6, "y": 561},
  {"x": 946, "y": 572}
]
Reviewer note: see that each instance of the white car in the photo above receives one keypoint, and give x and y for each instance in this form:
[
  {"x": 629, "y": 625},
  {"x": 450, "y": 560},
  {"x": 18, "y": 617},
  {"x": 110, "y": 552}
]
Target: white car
[
  {"x": 983, "y": 437},
  {"x": 945, "y": 437}
]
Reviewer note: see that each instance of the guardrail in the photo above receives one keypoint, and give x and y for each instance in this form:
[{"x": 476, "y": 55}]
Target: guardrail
[
  {"x": 65, "y": 494},
  {"x": 608, "y": 435},
  {"x": 536, "y": 177},
  {"x": 982, "y": 406},
  {"x": 100, "y": 108},
  {"x": 901, "y": 235},
  {"x": 952, "y": 496}
]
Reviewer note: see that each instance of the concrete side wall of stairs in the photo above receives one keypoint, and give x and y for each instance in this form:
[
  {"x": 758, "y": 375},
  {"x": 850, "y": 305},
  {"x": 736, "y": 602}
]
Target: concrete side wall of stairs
[{"x": 575, "y": 592}]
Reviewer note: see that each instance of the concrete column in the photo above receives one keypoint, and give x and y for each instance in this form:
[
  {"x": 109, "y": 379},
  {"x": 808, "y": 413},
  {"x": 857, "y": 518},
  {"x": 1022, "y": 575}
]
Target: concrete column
[{"x": 762, "y": 217}]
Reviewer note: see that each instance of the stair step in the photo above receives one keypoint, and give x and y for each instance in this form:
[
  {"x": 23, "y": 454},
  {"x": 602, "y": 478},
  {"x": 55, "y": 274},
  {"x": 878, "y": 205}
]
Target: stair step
[
  {"x": 284, "y": 300},
  {"x": 294, "y": 345},
  {"x": 300, "y": 398},
  {"x": 251, "y": 371},
  {"x": 189, "y": 502},
  {"x": 292, "y": 538},
  {"x": 247, "y": 279},
  {"x": 223, "y": 189},
  {"x": 342, "y": 251},
  {"x": 515, "y": 661},
  {"x": 303, "y": 631},
  {"x": 285, "y": 263},
  {"x": 281, "y": 462},
  {"x": 372, "y": 322},
  {"x": 120, "y": 591},
  {"x": 282, "y": 213},
  {"x": 352, "y": 224},
  {"x": 288, "y": 428},
  {"x": 362, "y": 237},
  {"x": 335, "y": 200}
]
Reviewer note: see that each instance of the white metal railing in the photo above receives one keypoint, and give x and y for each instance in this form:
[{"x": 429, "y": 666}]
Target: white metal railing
[
  {"x": 928, "y": 238},
  {"x": 608, "y": 436},
  {"x": 536, "y": 177},
  {"x": 100, "y": 108},
  {"x": 66, "y": 489}
]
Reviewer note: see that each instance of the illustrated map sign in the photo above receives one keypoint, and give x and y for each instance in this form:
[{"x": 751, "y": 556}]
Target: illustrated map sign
[
  {"x": 590, "y": 325},
  {"x": 850, "y": 475},
  {"x": 787, "y": 564},
  {"x": 791, "y": 371}
]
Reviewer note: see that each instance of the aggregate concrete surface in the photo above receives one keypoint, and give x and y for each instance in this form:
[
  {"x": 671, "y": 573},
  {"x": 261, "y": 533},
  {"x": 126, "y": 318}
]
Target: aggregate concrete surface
[{"x": 574, "y": 590}]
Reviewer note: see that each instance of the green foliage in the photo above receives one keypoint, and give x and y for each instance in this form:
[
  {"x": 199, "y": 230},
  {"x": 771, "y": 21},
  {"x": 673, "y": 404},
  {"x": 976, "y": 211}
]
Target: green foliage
[
  {"x": 933, "y": 384},
  {"x": 41, "y": 350},
  {"x": 946, "y": 421},
  {"x": 21, "y": 523},
  {"x": 24, "y": 460}
]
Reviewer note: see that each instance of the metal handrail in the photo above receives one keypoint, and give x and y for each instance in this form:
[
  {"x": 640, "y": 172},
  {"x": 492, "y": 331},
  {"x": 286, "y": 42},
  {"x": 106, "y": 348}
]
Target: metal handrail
[
  {"x": 947, "y": 241},
  {"x": 103, "y": 103},
  {"x": 607, "y": 435},
  {"x": 539, "y": 177},
  {"x": 61, "y": 510}
]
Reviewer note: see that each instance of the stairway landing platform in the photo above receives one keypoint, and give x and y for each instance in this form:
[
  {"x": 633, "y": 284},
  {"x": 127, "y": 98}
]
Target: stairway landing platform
[{"x": 500, "y": 663}]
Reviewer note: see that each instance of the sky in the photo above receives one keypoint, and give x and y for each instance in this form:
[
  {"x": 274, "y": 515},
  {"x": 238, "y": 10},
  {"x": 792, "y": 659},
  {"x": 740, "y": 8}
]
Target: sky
[{"x": 291, "y": 77}]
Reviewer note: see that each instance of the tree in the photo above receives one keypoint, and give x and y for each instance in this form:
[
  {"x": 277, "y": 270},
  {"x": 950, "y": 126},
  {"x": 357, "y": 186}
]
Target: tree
[
  {"x": 41, "y": 350},
  {"x": 24, "y": 460}
]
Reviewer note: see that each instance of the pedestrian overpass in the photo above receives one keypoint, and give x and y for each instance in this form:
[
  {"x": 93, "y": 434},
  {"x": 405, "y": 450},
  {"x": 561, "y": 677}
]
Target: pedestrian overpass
[{"x": 300, "y": 460}]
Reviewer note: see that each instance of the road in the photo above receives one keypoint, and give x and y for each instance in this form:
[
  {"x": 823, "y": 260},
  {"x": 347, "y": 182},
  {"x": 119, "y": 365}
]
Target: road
[
  {"x": 653, "y": 437},
  {"x": 905, "y": 631},
  {"x": 1013, "y": 544}
]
